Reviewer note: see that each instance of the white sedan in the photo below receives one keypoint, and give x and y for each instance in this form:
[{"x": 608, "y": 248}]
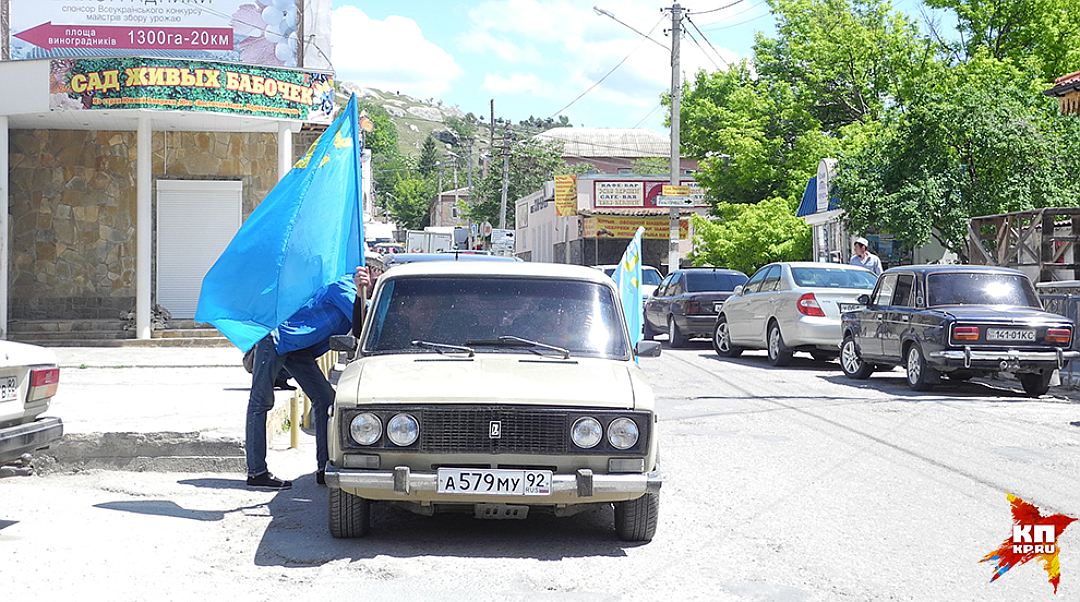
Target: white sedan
[
  {"x": 29, "y": 376},
  {"x": 791, "y": 306}
]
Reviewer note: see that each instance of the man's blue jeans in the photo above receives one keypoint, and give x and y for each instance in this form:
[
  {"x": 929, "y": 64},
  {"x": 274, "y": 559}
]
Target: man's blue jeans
[{"x": 302, "y": 366}]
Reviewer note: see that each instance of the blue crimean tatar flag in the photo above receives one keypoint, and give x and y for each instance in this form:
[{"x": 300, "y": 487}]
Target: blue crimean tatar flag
[
  {"x": 628, "y": 280},
  {"x": 307, "y": 233}
]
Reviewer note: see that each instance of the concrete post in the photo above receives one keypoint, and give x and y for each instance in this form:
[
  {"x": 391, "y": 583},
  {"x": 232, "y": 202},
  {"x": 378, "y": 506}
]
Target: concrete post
[
  {"x": 284, "y": 149},
  {"x": 5, "y": 243},
  {"x": 143, "y": 166}
]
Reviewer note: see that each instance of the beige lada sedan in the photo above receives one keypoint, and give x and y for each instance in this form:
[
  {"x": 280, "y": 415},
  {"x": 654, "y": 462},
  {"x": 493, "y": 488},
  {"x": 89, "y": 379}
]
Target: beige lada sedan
[{"x": 498, "y": 389}]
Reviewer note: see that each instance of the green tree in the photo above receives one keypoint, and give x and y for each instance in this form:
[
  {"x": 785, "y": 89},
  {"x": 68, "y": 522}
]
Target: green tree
[
  {"x": 652, "y": 166},
  {"x": 410, "y": 201},
  {"x": 1046, "y": 32},
  {"x": 429, "y": 157},
  {"x": 748, "y": 236},
  {"x": 980, "y": 139},
  {"x": 383, "y": 139}
]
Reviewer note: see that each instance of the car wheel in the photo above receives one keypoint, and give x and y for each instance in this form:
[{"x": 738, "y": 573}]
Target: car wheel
[
  {"x": 779, "y": 354},
  {"x": 920, "y": 376},
  {"x": 675, "y": 337},
  {"x": 721, "y": 340},
  {"x": 823, "y": 356},
  {"x": 350, "y": 515},
  {"x": 646, "y": 331},
  {"x": 636, "y": 520},
  {"x": 1036, "y": 384},
  {"x": 851, "y": 362}
]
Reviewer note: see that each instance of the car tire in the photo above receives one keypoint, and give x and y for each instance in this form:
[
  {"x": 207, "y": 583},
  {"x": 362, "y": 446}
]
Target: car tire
[
  {"x": 779, "y": 354},
  {"x": 724, "y": 348},
  {"x": 920, "y": 376},
  {"x": 675, "y": 337},
  {"x": 851, "y": 362},
  {"x": 1036, "y": 385},
  {"x": 647, "y": 332},
  {"x": 350, "y": 515},
  {"x": 636, "y": 520},
  {"x": 823, "y": 356}
]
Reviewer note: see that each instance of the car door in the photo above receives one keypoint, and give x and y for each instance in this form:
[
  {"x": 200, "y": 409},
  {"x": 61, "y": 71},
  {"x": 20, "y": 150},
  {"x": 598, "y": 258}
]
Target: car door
[
  {"x": 873, "y": 320},
  {"x": 675, "y": 291},
  {"x": 736, "y": 308},
  {"x": 764, "y": 304},
  {"x": 652, "y": 306},
  {"x": 898, "y": 315}
]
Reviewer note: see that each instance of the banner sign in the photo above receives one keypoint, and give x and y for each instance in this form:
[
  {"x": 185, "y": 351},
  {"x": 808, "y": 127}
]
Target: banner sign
[
  {"x": 260, "y": 32},
  {"x": 636, "y": 194},
  {"x": 182, "y": 85},
  {"x": 609, "y": 226},
  {"x": 565, "y": 195}
]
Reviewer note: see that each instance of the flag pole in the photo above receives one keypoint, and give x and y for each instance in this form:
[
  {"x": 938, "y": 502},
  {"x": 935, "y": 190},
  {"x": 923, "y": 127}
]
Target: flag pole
[{"x": 360, "y": 304}]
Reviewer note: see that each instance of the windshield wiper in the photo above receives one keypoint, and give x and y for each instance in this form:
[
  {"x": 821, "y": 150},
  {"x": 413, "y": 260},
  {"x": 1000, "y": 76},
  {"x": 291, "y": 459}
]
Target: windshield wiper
[
  {"x": 512, "y": 341},
  {"x": 443, "y": 348}
]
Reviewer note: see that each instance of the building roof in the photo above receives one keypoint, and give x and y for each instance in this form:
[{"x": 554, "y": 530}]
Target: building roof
[
  {"x": 808, "y": 205},
  {"x": 609, "y": 142}
]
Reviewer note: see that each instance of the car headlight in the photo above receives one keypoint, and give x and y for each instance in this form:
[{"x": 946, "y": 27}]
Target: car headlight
[
  {"x": 586, "y": 432},
  {"x": 622, "y": 433},
  {"x": 403, "y": 429},
  {"x": 366, "y": 428}
]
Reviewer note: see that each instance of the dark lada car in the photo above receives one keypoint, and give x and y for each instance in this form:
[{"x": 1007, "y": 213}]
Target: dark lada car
[
  {"x": 960, "y": 321},
  {"x": 685, "y": 304}
]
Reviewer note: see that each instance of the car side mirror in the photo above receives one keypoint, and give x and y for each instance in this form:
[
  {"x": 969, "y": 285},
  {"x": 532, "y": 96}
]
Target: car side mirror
[
  {"x": 863, "y": 299},
  {"x": 648, "y": 349},
  {"x": 343, "y": 342},
  {"x": 738, "y": 291}
]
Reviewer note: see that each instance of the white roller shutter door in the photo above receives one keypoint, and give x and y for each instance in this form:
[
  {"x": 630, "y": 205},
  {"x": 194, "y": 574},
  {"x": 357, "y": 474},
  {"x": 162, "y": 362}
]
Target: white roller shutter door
[{"x": 195, "y": 222}]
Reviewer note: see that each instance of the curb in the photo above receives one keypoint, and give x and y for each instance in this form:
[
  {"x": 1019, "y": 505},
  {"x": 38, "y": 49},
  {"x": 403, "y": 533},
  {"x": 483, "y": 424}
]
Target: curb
[{"x": 140, "y": 452}]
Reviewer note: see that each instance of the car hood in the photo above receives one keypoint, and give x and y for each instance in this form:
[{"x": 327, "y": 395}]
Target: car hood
[
  {"x": 1009, "y": 315},
  {"x": 490, "y": 379}
]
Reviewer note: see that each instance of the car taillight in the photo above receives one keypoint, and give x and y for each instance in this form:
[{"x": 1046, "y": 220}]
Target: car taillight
[
  {"x": 965, "y": 333},
  {"x": 43, "y": 383},
  {"x": 693, "y": 307},
  {"x": 808, "y": 306},
  {"x": 1059, "y": 336}
]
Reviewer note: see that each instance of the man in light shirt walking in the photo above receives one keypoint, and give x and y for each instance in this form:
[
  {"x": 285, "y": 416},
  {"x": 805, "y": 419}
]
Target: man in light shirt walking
[{"x": 864, "y": 258}]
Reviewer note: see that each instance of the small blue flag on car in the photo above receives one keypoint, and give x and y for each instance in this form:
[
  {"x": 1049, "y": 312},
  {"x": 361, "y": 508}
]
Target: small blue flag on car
[
  {"x": 306, "y": 233},
  {"x": 628, "y": 279}
]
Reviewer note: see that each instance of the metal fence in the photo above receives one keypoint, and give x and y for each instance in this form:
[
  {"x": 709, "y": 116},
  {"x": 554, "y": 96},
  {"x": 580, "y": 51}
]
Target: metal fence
[{"x": 1063, "y": 297}]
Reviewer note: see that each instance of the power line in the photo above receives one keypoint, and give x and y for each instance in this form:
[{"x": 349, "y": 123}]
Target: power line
[
  {"x": 702, "y": 49},
  {"x": 722, "y": 27},
  {"x": 704, "y": 37},
  {"x": 643, "y": 119},
  {"x": 715, "y": 10},
  {"x": 608, "y": 74}
]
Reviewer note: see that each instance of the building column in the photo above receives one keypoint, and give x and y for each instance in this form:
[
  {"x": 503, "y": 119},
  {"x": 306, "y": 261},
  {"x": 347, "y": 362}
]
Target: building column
[
  {"x": 5, "y": 244},
  {"x": 284, "y": 149},
  {"x": 143, "y": 165}
]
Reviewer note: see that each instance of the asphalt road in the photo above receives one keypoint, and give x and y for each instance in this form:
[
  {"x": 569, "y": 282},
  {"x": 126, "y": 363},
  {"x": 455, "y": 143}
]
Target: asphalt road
[{"x": 792, "y": 484}]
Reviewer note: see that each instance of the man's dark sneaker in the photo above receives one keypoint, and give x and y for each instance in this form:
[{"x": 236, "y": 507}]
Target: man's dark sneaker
[
  {"x": 268, "y": 481},
  {"x": 282, "y": 384},
  {"x": 320, "y": 477}
]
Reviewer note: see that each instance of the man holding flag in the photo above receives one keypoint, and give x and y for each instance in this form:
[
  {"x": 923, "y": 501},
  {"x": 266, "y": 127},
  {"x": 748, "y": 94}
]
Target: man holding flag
[
  {"x": 628, "y": 280},
  {"x": 287, "y": 281}
]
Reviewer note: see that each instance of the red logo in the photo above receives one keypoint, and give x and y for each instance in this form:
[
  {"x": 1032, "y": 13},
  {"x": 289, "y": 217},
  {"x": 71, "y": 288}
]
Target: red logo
[{"x": 1033, "y": 536}]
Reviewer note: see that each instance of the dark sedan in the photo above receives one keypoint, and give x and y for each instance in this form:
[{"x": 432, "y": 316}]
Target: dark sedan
[
  {"x": 685, "y": 304},
  {"x": 956, "y": 321}
]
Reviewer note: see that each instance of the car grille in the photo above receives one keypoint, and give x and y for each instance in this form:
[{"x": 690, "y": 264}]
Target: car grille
[{"x": 467, "y": 430}]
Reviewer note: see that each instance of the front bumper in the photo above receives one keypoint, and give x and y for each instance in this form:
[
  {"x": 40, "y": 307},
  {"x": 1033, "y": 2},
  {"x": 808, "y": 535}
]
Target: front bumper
[
  {"x": 404, "y": 485},
  {"x": 26, "y": 438},
  {"x": 1011, "y": 359}
]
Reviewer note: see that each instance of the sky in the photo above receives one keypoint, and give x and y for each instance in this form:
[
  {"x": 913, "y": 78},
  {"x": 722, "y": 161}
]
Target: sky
[{"x": 535, "y": 57}]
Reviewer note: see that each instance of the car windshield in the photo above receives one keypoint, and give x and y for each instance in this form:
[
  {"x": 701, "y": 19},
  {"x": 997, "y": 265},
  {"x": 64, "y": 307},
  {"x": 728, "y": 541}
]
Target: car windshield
[
  {"x": 581, "y": 317},
  {"x": 972, "y": 288},
  {"x": 833, "y": 278},
  {"x": 706, "y": 281}
]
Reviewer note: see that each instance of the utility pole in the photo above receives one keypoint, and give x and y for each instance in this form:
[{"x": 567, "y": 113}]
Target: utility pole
[
  {"x": 505, "y": 178},
  {"x": 491, "y": 128},
  {"x": 676, "y": 99}
]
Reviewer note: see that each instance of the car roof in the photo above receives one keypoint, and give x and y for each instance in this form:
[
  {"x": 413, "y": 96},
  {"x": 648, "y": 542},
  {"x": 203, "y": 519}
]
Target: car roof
[
  {"x": 711, "y": 269},
  {"x": 500, "y": 269},
  {"x": 612, "y": 266},
  {"x": 821, "y": 264},
  {"x": 945, "y": 268},
  {"x": 402, "y": 258}
]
